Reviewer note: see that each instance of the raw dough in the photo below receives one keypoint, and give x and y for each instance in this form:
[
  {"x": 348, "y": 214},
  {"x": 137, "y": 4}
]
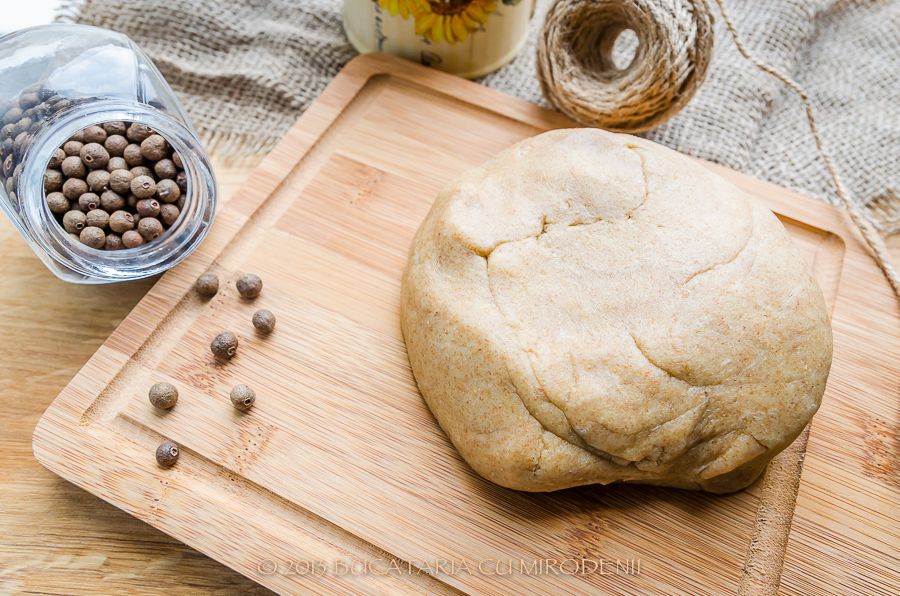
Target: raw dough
[{"x": 590, "y": 308}]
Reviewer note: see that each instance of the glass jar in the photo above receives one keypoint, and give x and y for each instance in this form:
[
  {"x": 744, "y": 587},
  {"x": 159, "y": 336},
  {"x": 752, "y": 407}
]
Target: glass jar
[{"x": 56, "y": 80}]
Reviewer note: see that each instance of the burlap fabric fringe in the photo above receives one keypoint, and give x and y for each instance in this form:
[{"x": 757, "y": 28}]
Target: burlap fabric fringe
[{"x": 579, "y": 76}]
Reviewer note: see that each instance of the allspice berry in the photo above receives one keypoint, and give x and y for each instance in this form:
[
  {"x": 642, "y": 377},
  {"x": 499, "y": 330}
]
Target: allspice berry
[
  {"x": 73, "y": 167},
  {"x": 249, "y": 285},
  {"x": 141, "y": 171},
  {"x": 207, "y": 284},
  {"x": 88, "y": 202},
  {"x": 58, "y": 203},
  {"x": 167, "y": 454},
  {"x": 150, "y": 228},
  {"x": 176, "y": 159},
  {"x": 74, "y": 188},
  {"x": 143, "y": 187},
  {"x": 264, "y": 321},
  {"x": 181, "y": 181},
  {"x": 78, "y": 137},
  {"x": 93, "y": 237},
  {"x": 120, "y": 181},
  {"x": 154, "y": 147},
  {"x": 243, "y": 397},
  {"x": 115, "y": 145},
  {"x": 163, "y": 395},
  {"x": 225, "y": 345},
  {"x": 112, "y": 201},
  {"x": 168, "y": 191},
  {"x": 121, "y": 221},
  {"x": 56, "y": 161},
  {"x": 116, "y": 163},
  {"x": 94, "y": 134},
  {"x": 73, "y": 148},
  {"x": 138, "y": 132},
  {"x": 98, "y": 180},
  {"x": 113, "y": 242},
  {"x": 115, "y": 128},
  {"x": 97, "y": 218},
  {"x": 133, "y": 155},
  {"x": 94, "y": 156},
  {"x": 168, "y": 214},
  {"x": 53, "y": 181},
  {"x": 165, "y": 169},
  {"x": 147, "y": 207},
  {"x": 73, "y": 221},
  {"x": 132, "y": 239}
]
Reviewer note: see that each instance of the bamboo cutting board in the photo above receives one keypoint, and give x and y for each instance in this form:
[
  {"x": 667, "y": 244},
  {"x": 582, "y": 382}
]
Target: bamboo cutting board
[{"x": 340, "y": 462}]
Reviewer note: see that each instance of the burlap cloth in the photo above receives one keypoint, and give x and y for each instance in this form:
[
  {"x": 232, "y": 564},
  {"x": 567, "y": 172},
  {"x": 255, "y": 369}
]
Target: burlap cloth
[{"x": 246, "y": 69}]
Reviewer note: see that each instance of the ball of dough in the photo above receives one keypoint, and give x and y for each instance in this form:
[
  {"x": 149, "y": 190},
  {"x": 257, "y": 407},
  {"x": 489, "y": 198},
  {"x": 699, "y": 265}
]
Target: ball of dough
[{"x": 592, "y": 308}]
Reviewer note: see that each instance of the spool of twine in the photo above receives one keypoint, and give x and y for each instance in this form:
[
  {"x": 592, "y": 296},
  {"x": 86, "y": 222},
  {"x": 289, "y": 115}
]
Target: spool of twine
[{"x": 578, "y": 75}]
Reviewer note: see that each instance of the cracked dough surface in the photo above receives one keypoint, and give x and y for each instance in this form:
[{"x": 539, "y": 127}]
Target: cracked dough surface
[{"x": 590, "y": 308}]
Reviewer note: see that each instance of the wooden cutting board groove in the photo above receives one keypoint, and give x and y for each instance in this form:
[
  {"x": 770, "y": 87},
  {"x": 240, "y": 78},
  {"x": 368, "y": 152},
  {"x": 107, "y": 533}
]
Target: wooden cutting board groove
[{"x": 341, "y": 460}]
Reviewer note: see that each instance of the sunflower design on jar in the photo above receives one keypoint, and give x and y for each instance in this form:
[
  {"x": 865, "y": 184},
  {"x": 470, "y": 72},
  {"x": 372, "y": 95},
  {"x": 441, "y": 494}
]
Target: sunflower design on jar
[{"x": 443, "y": 20}]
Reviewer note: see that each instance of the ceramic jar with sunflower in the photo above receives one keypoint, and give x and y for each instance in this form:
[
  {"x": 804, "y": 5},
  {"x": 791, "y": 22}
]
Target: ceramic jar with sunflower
[{"x": 468, "y": 38}]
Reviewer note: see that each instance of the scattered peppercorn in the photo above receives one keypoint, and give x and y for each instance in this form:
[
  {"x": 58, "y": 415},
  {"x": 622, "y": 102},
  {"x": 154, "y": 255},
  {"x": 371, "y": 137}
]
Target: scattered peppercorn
[
  {"x": 249, "y": 285},
  {"x": 167, "y": 454},
  {"x": 207, "y": 284},
  {"x": 243, "y": 397},
  {"x": 224, "y": 345},
  {"x": 264, "y": 320},
  {"x": 163, "y": 395}
]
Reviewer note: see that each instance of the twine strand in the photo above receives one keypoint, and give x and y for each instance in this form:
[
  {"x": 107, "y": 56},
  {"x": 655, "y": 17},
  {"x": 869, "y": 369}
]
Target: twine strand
[
  {"x": 578, "y": 74},
  {"x": 868, "y": 231}
]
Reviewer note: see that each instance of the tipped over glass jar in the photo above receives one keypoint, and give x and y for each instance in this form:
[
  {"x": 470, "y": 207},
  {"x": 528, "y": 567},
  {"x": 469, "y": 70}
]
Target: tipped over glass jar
[{"x": 56, "y": 83}]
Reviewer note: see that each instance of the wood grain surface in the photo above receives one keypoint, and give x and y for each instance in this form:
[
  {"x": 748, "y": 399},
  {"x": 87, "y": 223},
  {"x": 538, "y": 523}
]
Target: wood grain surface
[{"x": 343, "y": 460}]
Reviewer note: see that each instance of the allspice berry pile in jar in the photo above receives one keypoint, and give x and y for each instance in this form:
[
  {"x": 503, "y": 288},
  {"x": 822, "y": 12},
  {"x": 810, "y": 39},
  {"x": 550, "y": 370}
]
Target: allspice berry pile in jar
[{"x": 115, "y": 186}]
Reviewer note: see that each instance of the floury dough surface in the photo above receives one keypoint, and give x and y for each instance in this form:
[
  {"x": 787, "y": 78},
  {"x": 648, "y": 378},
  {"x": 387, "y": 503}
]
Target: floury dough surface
[{"x": 591, "y": 308}]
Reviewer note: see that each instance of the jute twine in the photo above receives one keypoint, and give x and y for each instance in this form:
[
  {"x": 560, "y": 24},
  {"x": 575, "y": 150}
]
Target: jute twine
[
  {"x": 866, "y": 228},
  {"x": 579, "y": 77}
]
